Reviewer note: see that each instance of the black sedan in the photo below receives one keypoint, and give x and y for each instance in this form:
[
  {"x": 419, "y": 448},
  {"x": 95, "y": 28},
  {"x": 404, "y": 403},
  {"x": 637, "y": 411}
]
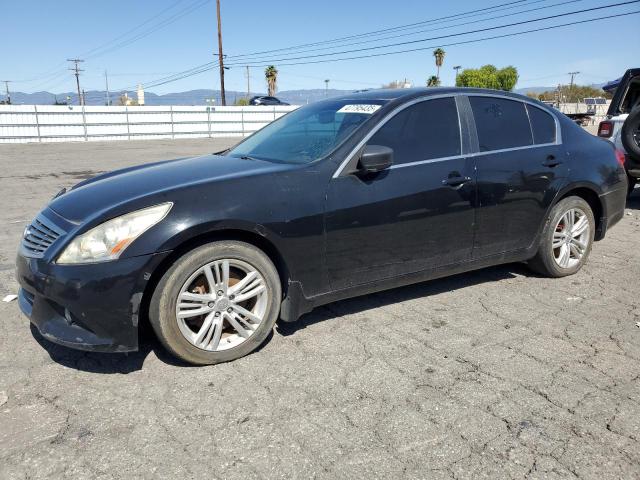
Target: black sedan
[
  {"x": 266, "y": 100},
  {"x": 336, "y": 199}
]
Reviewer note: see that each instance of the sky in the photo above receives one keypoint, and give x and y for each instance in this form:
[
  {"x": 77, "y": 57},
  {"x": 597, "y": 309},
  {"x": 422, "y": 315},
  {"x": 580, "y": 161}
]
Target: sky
[{"x": 139, "y": 41}]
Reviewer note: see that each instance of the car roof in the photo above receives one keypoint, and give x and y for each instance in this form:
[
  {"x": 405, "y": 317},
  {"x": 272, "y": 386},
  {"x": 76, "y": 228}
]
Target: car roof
[{"x": 403, "y": 94}]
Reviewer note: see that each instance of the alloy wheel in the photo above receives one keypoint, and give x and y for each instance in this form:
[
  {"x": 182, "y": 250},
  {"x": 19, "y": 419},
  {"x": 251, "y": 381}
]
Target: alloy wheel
[
  {"x": 571, "y": 238},
  {"x": 221, "y": 304}
]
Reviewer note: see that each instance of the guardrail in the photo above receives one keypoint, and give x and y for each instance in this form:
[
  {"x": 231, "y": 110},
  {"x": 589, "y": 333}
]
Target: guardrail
[{"x": 60, "y": 123}]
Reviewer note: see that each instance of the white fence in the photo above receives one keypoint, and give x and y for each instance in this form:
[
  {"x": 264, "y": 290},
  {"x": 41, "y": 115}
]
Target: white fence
[{"x": 54, "y": 123}]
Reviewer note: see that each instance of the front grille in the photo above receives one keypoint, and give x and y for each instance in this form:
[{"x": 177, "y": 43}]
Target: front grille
[{"x": 39, "y": 236}]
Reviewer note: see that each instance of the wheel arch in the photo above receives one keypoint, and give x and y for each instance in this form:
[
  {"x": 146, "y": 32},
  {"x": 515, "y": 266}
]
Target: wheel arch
[
  {"x": 249, "y": 237},
  {"x": 589, "y": 194}
]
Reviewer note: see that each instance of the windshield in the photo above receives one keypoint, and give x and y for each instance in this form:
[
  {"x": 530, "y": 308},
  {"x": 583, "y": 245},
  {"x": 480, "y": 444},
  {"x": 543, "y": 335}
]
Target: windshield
[{"x": 308, "y": 133}]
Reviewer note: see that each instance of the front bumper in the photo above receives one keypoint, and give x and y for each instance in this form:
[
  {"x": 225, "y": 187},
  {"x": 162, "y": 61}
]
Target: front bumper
[{"x": 91, "y": 307}]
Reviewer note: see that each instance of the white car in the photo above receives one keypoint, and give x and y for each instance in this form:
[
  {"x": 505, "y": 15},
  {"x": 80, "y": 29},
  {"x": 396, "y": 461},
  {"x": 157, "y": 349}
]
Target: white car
[{"x": 622, "y": 125}]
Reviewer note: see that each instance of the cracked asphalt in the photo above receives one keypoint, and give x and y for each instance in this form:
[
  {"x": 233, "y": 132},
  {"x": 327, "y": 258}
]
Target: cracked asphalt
[{"x": 492, "y": 374}]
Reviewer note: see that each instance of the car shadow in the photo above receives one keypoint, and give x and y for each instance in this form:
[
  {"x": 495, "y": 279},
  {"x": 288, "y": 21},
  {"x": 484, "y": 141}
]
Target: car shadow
[
  {"x": 634, "y": 200},
  {"x": 114, "y": 363},
  {"x": 403, "y": 294},
  {"x": 124, "y": 363},
  {"x": 107, "y": 363}
]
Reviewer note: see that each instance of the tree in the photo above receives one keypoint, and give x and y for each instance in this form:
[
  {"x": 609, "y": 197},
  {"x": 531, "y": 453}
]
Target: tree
[
  {"x": 439, "y": 54},
  {"x": 433, "y": 81},
  {"x": 574, "y": 94},
  {"x": 488, "y": 76},
  {"x": 241, "y": 102},
  {"x": 271, "y": 75},
  {"x": 507, "y": 78}
]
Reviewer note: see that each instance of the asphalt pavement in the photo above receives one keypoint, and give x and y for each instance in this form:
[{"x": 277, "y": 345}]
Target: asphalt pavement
[{"x": 492, "y": 374}]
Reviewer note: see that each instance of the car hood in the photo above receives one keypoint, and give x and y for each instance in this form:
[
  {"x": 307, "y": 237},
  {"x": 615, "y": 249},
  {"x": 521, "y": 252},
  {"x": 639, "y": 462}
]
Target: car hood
[{"x": 106, "y": 191}]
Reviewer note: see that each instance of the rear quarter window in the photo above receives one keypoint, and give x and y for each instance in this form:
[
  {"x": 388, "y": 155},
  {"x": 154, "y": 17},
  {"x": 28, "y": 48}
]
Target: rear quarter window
[
  {"x": 500, "y": 123},
  {"x": 543, "y": 125}
]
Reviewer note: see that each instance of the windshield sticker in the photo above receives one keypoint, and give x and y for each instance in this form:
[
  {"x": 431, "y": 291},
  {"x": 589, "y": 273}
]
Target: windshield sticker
[{"x": 359, "y": 108}]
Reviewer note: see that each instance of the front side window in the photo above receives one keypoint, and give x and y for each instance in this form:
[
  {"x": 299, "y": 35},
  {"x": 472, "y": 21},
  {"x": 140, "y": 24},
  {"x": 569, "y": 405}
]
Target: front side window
[
  {"x": 308, "y": 133},
  {"x": 500, "y": 123},
  {"x": 426, "y": 130},
  {"x": 542, "y": 124}
]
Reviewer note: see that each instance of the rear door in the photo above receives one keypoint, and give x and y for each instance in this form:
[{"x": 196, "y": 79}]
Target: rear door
[
  {"x": 416, "y": 215},
  {"x": 520, "y": 166}
]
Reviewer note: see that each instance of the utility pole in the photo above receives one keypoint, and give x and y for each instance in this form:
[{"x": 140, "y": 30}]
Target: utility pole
[
  {"x": 84, "y": 95},
  {"x": 248, "y": 84},
  {"x": 77, "y": 71},
  {"x": 106, "y": 84},
  {"x": 573, "y": 74},
  {"x": 6, "y": 87},
  {"x": 326, "y": 87},
  {"x": 220, "y": 56},
  {"x": 456, "y": 68}
]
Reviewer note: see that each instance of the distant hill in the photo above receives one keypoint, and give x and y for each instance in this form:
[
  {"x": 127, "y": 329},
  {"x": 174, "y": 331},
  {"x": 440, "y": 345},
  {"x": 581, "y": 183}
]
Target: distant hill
[
  {"x": 198, "y": 97},
  {"x": 539, "y": 90},
  {"x": 191, "y": 97}
]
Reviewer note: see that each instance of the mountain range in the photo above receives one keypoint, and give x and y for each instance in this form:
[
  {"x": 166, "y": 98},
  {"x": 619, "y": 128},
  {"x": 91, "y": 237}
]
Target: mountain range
[
  {"x": 191, "y": 97},
  {"x": 194, "y": 97}
]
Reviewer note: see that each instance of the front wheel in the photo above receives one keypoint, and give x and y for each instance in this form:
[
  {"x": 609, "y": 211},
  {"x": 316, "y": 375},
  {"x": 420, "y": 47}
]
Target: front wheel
[
  {"x": 217, "y": 303},
  {"x": 566, "y": 239}
]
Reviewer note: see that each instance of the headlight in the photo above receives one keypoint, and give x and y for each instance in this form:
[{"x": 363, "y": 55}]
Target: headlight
[{"x": 108, "y": 240}]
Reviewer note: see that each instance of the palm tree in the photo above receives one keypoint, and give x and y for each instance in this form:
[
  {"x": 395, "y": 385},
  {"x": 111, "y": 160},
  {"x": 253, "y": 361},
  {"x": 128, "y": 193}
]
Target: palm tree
[
  {"x": 271, "y": 74},
  {"x": 439, "y": 54},
  {"x": 433, "y": 81}
]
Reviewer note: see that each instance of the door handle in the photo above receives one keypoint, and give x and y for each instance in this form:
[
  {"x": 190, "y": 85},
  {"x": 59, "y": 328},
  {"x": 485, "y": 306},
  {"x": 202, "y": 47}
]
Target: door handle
[
  {"x": 456, "y": 181},
  {"x": 551, "y": 161}
]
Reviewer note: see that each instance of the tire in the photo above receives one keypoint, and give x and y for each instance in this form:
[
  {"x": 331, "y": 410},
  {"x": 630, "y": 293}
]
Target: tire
[
  {"x": 548, "y": 259},
  {"x": 631, "y": 128},
  {"x": 223, "y": 341}
]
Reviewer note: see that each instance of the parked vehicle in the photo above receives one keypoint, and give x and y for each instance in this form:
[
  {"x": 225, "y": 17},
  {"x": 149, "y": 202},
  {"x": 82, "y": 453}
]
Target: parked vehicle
[
  {"x": 266, "y": 100},
  {"x": 338, "y": 198},
  {"x": 622, "y": 125}
]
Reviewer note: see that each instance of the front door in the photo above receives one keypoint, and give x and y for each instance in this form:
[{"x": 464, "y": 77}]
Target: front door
[{"x": 416, "y": 215}]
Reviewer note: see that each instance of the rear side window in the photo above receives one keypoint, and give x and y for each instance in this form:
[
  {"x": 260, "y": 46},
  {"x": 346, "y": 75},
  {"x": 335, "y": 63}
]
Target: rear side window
[
  {"x": 542, "y": 124},
  {"x": 423, "y": 131},
  {"x": 500, "y": 123}
]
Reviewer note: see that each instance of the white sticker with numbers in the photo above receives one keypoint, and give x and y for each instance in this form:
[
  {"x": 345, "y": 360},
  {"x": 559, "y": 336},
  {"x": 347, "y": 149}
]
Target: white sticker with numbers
[{"x": 359, "y": 108}]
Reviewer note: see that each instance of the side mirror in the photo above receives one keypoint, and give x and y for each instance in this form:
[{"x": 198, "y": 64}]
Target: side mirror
[{"x": 375, "y": 158}]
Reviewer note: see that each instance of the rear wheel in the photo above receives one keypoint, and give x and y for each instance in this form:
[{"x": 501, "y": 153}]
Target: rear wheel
[
  {"x": 217, "y": 303},
  {"x": 566, "y": 239}
]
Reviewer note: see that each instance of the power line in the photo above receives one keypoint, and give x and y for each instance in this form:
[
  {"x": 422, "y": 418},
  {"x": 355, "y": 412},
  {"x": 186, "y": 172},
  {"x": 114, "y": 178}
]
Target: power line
[
  {"x": 243, "y": 57},
  {"x": 107, "y": 47},
  {"x": 123, "y": 35},
  {"x": 194, "y": 6},
  {"x": 209, "y": 66},
  {"x": 380, "y": 38},
  {"x": 377, "y": 32},
  {"x": 466, "y": 42},
  {"x": 486, "y": 29}
]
